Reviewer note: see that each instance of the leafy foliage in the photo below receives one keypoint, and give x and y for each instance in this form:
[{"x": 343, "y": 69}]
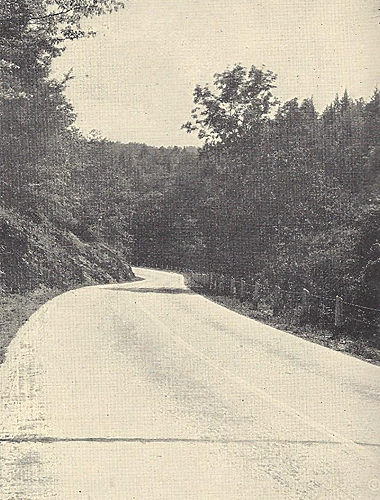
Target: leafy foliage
[
  {"x": 292, "y": 198},
  {"x": 241, "y": 101}
]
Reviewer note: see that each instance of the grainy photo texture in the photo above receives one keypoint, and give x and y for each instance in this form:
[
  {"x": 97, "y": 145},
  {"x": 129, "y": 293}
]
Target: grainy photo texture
[{"x": 190, "y": 250}]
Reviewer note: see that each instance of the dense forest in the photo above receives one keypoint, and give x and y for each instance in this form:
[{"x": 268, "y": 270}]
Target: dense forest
[
  {"x": 278, "y": 193},
  {"x": 281, "y": 195}
]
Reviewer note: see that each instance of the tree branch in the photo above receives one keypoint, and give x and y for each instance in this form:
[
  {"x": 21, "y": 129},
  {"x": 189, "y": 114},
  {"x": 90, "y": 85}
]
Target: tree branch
[
  {"x": 38, "y": 18},
  {"x": 53, "y": 14}
]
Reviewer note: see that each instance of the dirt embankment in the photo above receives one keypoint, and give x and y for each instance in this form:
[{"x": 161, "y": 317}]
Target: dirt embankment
[{"x": 40, "y": 260}]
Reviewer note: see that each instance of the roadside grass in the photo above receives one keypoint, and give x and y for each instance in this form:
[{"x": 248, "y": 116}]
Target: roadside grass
[
  {"x": 361, "y": 347},
  {"x": 15, "y": 309}
]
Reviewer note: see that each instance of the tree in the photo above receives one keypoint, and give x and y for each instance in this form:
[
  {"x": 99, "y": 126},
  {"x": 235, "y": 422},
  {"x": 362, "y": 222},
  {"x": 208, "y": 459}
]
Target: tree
[
  {"x": 241, "y": 100},
  {"x": 34, "y": 112},
  {"x": 32, "y": 33}
]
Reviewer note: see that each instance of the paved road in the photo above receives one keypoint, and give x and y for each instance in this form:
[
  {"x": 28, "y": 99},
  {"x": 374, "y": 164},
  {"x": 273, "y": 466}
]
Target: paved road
[{"x": 148, "y": 391}]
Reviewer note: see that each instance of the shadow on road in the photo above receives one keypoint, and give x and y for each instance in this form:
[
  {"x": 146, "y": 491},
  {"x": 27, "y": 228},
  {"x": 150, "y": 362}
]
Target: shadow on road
[{"x": 150, "y": 290}]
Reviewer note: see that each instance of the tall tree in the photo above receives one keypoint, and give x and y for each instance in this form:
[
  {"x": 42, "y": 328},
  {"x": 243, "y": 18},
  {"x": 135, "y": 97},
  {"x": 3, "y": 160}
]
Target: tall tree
[
  {"x": 34, "y": 112},
  {"x": 241, "y": 99}
]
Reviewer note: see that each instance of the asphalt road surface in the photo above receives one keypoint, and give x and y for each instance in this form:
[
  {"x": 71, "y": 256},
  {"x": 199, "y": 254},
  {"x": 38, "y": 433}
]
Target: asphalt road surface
[{"x": 146, "y": 390}]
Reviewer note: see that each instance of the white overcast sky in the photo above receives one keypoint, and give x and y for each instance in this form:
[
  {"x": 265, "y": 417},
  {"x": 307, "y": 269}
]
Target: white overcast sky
[{"x": 134, "y": 81}]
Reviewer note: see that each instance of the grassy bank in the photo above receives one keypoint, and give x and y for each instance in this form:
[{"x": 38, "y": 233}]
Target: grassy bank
[
  {"x": 362, "y": 347},
  {"x": 41, "y": 259},
  {"x": 15, "y": 309}
]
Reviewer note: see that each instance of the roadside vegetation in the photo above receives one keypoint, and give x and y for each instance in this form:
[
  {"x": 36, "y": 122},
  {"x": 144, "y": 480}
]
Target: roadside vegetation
[
  {"x": 365, "y": 347},
  {"x": 279, "y": 194},
  {"x": 49, "y": 240},
  {"x": 16, "y": 309}
]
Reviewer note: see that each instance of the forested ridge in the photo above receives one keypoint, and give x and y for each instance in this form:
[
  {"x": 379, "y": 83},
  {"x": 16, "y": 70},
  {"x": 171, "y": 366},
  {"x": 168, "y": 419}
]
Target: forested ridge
[{"x": 278, "y": 193}]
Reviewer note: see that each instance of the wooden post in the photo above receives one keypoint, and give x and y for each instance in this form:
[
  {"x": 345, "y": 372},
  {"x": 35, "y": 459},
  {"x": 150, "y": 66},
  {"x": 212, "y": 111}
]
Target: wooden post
[
  {"x": 243, "y": 290},
  {"x": 233, "y": 286},
  {"x": 257, "y": 289},
  {"x": 338, "y": 311},
  {"x": 256, "y": 294},
  {"x": 211, "y": 281},
  {"x": 221, "y": 285},
  {"x": 276, "y": 300},
  {"x": 305, "y": 302}
]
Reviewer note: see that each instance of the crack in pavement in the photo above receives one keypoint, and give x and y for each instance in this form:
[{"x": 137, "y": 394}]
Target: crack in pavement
[{"x": 51, "y": 439}]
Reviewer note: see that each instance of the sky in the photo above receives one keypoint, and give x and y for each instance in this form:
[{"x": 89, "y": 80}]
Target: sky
[{"x": 135, "y": 79}]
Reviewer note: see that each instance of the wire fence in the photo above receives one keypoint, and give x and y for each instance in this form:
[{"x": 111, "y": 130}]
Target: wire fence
[{"x": 310, "y": 307}]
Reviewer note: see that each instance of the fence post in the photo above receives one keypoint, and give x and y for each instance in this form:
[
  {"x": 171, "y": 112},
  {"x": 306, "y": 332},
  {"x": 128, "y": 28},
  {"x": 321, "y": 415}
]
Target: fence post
[
  {"x": 211, "y": 281},
  {"x": 243, "y": 290},
  {"x": 233, "y": 286},
  {"x": 256, "y": 294},
  {"x": 305, "y": 301},
  {"x": 277, "y": 300},
  {"x": 221, "y": 284},
  {"x": 338, "y": 311}
]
